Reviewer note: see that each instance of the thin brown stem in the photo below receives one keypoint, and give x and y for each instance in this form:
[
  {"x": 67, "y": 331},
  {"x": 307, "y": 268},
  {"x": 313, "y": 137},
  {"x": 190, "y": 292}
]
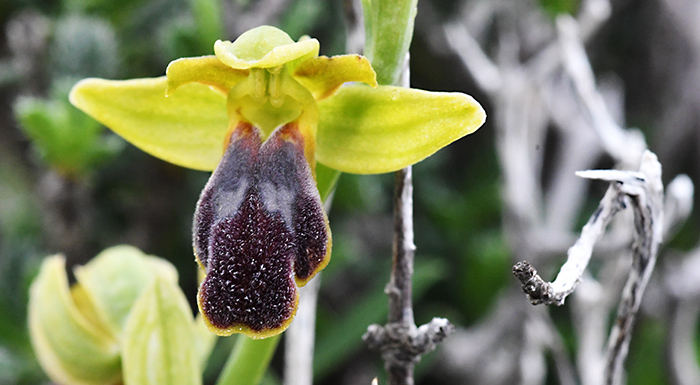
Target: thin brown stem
[
  {"x": 400, "y": 342},
  {"x": 399, "y": 288}
]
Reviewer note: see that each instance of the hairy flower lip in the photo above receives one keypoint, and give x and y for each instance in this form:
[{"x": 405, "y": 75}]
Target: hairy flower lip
[{"x": 259, "y": 232}]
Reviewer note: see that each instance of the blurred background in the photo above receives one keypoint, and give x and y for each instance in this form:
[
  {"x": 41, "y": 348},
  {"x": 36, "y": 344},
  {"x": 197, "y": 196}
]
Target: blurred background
[{"x": 68, "y": 185}]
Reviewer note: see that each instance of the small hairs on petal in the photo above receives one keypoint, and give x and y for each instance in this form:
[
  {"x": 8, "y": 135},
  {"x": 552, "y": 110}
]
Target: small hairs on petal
[{"x": 259, "y": 232}]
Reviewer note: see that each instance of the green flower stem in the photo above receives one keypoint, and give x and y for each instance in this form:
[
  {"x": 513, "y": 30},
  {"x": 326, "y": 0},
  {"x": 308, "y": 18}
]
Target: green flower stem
[
  {"x": 388, "y": 35},
  {"x": 248, "y": 361}
]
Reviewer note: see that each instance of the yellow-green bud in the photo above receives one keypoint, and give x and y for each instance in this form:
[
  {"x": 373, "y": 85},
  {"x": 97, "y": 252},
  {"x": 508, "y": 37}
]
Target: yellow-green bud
[{"x": 111, "y": 325}]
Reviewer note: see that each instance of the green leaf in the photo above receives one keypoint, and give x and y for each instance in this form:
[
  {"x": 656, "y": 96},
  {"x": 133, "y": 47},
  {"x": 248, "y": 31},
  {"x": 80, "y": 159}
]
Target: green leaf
[
  {"x": 187, "y": 128},
  {"x": 116, "y": 278},
  {"x": 159, "y": 339},
  {"x": 369, "y": 131},
  {"x": 388, "y": 31},
  {"x": 70, "y": 348}
]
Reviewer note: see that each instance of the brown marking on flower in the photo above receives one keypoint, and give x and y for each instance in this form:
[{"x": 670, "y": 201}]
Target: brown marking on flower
[
  {"x": 288, "y": 166},
  {"x": 230, "y": 177},
  {"x": 260, "y": 231}
]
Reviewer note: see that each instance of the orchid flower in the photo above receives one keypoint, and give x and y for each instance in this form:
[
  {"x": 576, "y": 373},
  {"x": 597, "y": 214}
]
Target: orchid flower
[{"x": 265, "y": 113}]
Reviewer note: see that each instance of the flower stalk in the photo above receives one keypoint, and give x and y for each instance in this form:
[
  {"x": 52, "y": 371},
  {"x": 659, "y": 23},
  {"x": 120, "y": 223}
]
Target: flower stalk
[{"x": 248, "y": 361}]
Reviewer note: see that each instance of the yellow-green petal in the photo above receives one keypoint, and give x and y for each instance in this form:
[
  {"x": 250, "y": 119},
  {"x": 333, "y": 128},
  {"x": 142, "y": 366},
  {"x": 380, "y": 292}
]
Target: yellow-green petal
[
  {"x": 324, "y": 75},
  {"x": 186, "y": 128},
  {"x": 69, "y": 347},
  {"x": 368, "y": 131},
  {"x": 159, "y": 339},
  {"x": 206, "y": 70},
  {"x": 263, "y": 47},
  {"x": 115, "y": 279}
]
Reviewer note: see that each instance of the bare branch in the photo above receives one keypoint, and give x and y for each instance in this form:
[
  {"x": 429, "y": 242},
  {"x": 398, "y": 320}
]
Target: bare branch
[
  {"x": 647, "y": 203},
  {"x": 484, "y": 71},
  {"x": 400, "y": 342},
  {"x": 679, "y": 202},
  {"x": 555, "y": 342},
  {"x": 552, "y": 82},
  {"x": 541, "y": 292},
  {"x": 623, "y": 184},
  {"x": 354, "y": 26},
  {"x": 643, "y": 190},
  {"x": 682, "y": 359},
  {"x": 399, "y": 288},
  {"x": 624, "y": 145}
]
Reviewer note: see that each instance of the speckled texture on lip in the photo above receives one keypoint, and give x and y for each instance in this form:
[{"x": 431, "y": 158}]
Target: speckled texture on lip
[{"x": 259, "y": 225}]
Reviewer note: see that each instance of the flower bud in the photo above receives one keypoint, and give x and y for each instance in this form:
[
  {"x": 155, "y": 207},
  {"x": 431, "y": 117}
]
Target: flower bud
[
  {"x": 71, "y": 344},
  {"x": 123, "y": 302}
]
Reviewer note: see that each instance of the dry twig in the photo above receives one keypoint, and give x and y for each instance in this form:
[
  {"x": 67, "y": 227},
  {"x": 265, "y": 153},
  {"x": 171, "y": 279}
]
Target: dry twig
[{"x": 643, "y": 191}]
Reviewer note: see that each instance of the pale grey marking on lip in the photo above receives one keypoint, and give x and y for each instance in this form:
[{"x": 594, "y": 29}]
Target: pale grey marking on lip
[
  {"x": 228, "y": 202},
  {"x": 278, "y": 199}
]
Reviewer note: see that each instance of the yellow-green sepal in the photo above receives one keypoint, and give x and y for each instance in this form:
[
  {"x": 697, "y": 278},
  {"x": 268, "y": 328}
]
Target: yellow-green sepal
[
  {"x": 187, "y": 128},
  {"x": 263, "y": 47},
  {"x": 206, "y": 70},
  {"x": 159, "y": 344},
  {"x": 115, "y": 279},
  {"x": 369, "y": 131},
  {"x": 69, "y": 346},
  {"x": 324, "y": 75}
]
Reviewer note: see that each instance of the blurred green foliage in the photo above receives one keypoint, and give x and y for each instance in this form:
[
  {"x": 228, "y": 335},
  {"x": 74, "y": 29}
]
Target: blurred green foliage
[
  {"x": 64, "y": 137},
  {"x": 646, "y": 356},
  {"x": 555, "y": 7}
]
